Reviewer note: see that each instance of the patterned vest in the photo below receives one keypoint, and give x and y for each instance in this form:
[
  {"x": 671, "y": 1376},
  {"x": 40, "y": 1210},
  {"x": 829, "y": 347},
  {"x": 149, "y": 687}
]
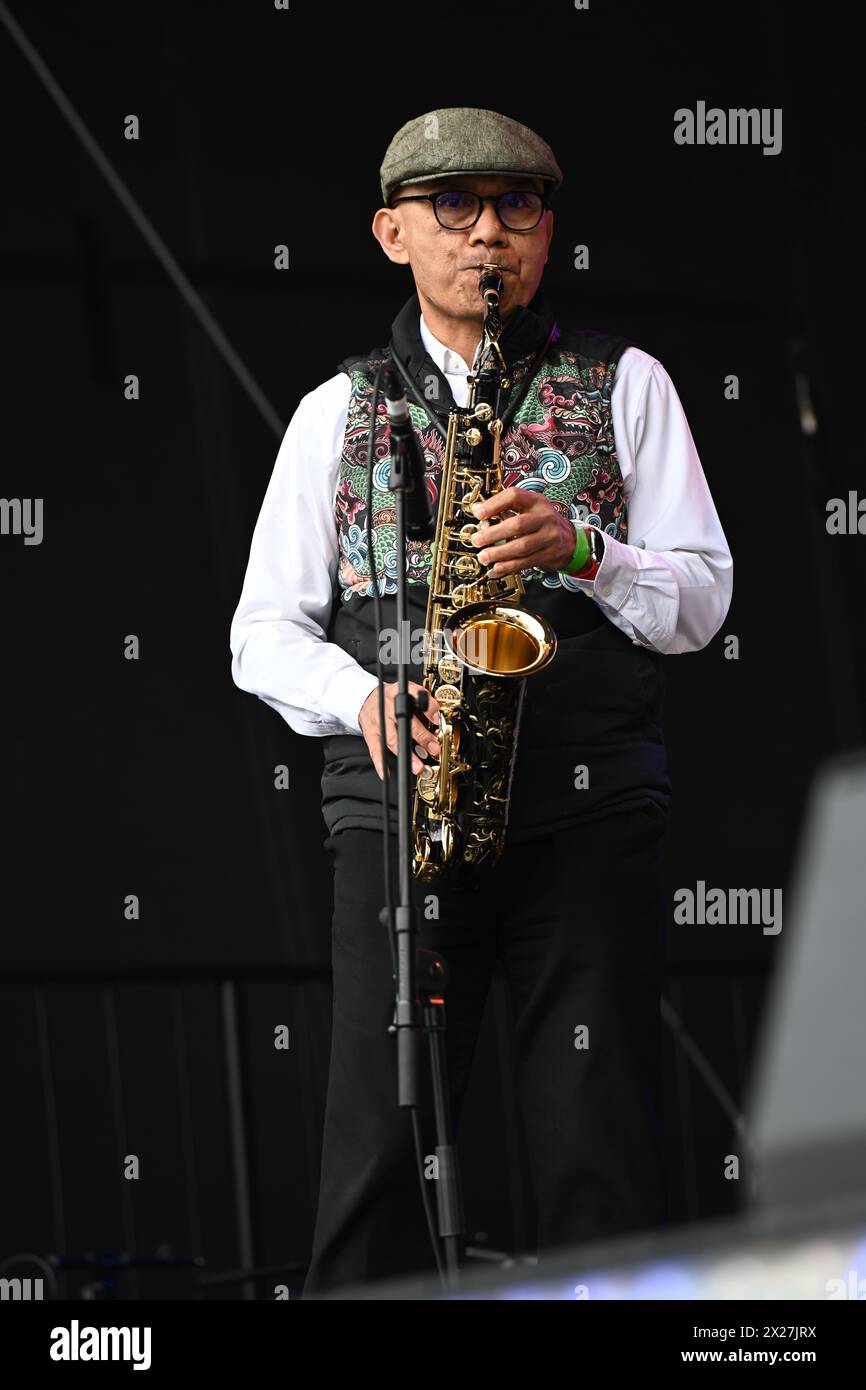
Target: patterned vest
[{"x": 598, "y": 704}]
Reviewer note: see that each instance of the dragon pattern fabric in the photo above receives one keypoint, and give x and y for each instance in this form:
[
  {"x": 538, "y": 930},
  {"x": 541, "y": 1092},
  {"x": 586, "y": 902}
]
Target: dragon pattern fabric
[{"x": 560, "y": 442}]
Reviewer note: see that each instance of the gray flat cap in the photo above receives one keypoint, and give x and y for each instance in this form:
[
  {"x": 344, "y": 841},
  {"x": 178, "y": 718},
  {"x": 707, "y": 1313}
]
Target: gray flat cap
[{"x": 465, "y": 140}]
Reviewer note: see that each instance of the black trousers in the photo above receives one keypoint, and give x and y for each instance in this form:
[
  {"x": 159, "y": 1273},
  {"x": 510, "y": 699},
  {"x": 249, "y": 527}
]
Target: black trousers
[{"x": 575, "y": 917}]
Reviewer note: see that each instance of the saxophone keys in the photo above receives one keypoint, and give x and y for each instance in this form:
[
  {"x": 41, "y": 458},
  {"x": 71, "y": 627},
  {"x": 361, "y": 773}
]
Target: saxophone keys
[
  {"x": 447, "y": 697},
  {"x": 449, "y": 670},
  {"x": 447, "y": 841},
  {"x": 472, "y": 437},
  {"x": 466, "y": 566},
  {"x": 423, "y": 865},
  {"x": 459, "y": 597},
  {"x": 426, "y": 785}
]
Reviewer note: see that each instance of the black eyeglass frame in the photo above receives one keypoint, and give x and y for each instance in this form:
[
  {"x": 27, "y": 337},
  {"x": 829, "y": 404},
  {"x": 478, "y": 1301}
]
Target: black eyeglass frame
[{"x": 482, "y": 199}]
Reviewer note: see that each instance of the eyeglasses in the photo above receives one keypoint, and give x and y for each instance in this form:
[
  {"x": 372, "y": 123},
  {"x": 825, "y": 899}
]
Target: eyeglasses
[{"x": 457, "y": 209}]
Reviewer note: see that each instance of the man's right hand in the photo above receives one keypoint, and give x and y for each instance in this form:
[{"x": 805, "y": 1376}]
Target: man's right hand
[{"x": 371, "y": 729}]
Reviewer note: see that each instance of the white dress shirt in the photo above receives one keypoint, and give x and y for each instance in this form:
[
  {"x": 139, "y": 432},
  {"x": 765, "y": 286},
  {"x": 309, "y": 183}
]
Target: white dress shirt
[{"x": 669, "y": 588}]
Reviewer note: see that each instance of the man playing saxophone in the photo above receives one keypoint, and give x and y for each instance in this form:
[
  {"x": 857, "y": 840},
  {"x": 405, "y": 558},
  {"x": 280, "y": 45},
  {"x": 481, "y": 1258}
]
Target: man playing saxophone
[{"x": 605, "y": 514}]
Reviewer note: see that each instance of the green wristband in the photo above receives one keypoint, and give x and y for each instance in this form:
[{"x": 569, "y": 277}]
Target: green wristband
[{"x": 582, "y": 552}]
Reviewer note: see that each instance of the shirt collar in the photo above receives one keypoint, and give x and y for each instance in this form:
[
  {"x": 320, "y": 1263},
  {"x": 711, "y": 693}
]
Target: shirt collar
[
  {"x": 446, "y": 359},
  {"x": 526, "y": 331}
]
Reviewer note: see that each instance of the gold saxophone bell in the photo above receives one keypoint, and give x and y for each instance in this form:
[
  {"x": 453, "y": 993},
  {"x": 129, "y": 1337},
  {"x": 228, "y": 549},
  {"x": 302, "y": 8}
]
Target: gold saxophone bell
[{"x": 500, "y": 641}]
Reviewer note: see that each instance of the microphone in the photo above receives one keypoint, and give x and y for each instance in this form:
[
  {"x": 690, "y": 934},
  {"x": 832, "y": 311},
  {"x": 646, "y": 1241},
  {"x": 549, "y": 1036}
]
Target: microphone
[{"x": 408, "y": 458}]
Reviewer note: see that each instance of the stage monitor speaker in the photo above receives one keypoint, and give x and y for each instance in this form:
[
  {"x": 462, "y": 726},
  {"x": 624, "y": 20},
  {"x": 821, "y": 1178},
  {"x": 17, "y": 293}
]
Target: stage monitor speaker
[{"x": 806, "y": 1104}]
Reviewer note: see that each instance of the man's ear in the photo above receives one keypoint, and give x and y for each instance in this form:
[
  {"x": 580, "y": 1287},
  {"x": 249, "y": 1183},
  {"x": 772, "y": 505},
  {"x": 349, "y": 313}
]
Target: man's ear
[{"x": 388, "y": 231}]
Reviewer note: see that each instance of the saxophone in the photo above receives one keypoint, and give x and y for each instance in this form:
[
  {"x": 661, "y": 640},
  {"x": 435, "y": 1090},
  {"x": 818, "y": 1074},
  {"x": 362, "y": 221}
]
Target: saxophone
[{"x": 479, "y": 645}]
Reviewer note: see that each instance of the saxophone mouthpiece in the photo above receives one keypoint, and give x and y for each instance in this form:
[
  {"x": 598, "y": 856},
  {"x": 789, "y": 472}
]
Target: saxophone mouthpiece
[{"x": 491, "y": 279}]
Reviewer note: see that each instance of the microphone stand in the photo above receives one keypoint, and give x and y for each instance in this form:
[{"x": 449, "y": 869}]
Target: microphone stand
[{"x": 421, "y": 974}]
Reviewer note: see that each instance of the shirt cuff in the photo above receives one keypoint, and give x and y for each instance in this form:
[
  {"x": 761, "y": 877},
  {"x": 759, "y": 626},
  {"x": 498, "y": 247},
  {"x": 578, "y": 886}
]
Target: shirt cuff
[
  {"x": 344, "y": 698},
  {"x": 614, "y": 577}
]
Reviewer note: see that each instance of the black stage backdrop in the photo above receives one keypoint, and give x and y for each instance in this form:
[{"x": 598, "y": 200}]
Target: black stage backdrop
[{"x": 261, "y": 126}]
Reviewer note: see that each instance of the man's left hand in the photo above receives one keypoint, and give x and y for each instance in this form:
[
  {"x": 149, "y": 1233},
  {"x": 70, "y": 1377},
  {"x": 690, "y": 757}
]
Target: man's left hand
[{"x": 539, "y": 536}]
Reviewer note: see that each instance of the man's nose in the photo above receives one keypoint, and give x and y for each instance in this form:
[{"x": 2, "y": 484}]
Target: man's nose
[{"x": 488, "y": 225}]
